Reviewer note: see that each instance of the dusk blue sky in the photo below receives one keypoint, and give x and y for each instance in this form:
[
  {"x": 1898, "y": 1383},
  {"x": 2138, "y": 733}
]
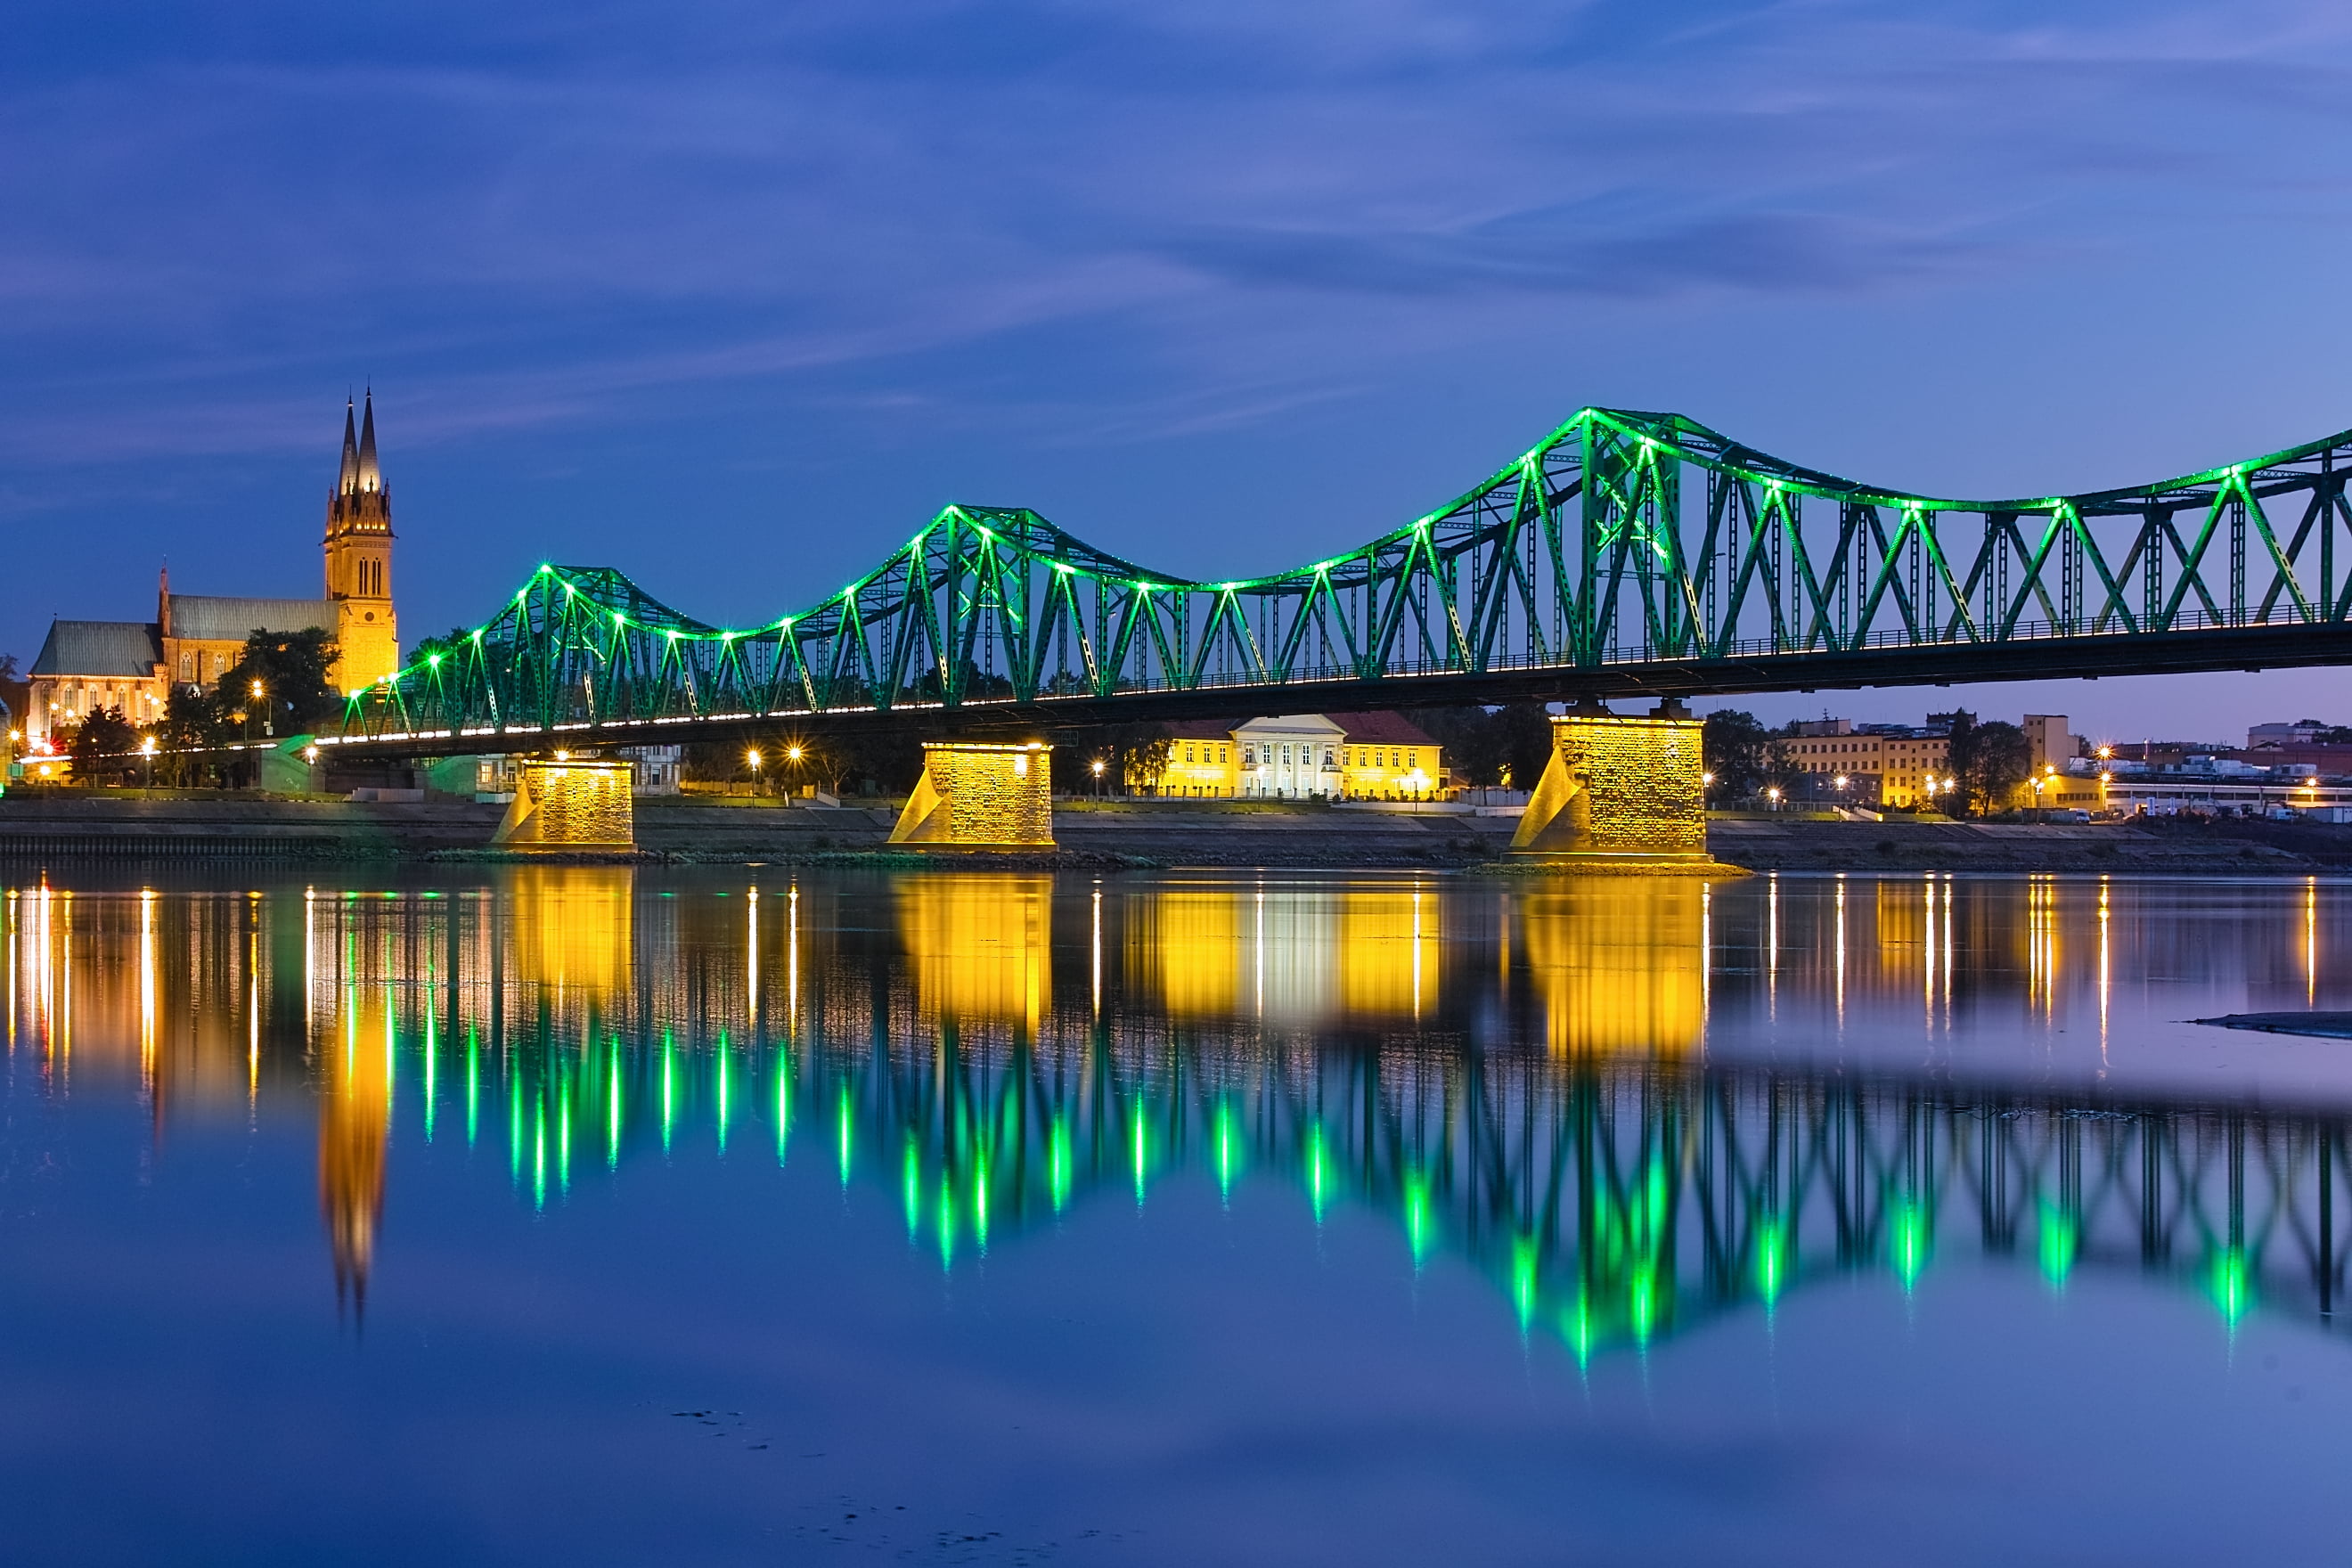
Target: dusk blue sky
[{"x": 734, "y": 296}]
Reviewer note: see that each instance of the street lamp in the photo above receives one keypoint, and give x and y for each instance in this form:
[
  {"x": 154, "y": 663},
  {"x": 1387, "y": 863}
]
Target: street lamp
[
  {"x": 1773, "y": 794},
  {"x": 1097, "y": 767},
  {"x": 253, "y": 711},
  {"x": 147, "y": 762},
  {"x": 752, "y": 757}
]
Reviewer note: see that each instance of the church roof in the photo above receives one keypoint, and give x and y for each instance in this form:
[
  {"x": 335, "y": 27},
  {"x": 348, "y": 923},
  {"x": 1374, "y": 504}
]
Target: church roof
[
  {"x": 205, "y": 618},
  {"x": 368, "y": 476},
  {"x": 1381, "y": 727},
  {"x": 348, "y": 480},
  {"x": 100, "y": 647}
]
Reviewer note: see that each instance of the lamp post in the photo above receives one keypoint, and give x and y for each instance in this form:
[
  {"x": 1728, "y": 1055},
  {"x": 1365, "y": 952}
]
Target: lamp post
[
  {"x": 1096, "y": 768},
  {"x": 751, "y": 758},
  {"x": 147, "y": 764},
  {"x": 1773, "y": 794},
  {"x": 253, "y": 711}
]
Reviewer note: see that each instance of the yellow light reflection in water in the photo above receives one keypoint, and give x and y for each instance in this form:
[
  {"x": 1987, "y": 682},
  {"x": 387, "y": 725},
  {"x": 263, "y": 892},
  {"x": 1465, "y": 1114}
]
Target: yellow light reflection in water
[
  {"x": 979, "y": 943},
  {"x": 176, "y": 995},
  {"x": 354, "y": 1124},
  {"x": 1618, "y": 961},
  {"x": 1301, "y": 955},
  {"x": 2311, "y": 942}
]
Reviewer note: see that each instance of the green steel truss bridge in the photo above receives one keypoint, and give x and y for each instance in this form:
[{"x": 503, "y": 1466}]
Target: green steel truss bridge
[{"x": 1626, "y": 555}]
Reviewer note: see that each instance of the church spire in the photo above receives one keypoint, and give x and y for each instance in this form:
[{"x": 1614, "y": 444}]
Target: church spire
[
  {"x": 349, "y": 479},
  {"x": 369, "y": 478}
]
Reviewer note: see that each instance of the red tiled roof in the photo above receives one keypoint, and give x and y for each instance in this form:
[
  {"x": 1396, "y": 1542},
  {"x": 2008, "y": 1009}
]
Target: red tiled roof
[{"x": 1380, "y": 727}]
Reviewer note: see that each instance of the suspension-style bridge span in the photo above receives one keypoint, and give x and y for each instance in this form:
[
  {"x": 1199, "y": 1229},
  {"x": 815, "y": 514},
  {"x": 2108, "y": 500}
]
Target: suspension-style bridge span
[{"x": 1625, "y": 556}]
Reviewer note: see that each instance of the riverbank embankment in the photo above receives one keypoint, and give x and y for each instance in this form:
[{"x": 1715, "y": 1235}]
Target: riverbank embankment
[{"x": 691, "y": 829}]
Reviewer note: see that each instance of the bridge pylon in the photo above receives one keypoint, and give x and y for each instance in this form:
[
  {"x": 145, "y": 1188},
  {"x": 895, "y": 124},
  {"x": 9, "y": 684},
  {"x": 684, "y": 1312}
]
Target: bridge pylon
[
  {"x": 977, "y": 795},
  {"x": 1621, "y": 794},
  {"x": 564, "y": 804}
]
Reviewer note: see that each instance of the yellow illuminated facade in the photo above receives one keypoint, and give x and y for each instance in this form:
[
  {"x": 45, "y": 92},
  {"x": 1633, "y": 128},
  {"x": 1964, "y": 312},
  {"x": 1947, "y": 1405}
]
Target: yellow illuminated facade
[
  {"x": 569, "y": 803},
  {"x": 1902, "y": 765},
  {"x": 1619, "y": 791},
  {"x": 1303, "y": 756},
  {"x": 979, "y": 796}
]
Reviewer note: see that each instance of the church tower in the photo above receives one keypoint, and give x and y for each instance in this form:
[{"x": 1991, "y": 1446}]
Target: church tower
[{"x": 359, "y": 560}]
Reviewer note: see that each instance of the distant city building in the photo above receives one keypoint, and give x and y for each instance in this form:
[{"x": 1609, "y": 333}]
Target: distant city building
[
  {"x": 2050, "y": 741},
  {"x": 1882, "y": 764},
  {"x": 2302, "y": 733},
  {"x": 1377, "y": 756},
  {"x": 86, "y": 667}
]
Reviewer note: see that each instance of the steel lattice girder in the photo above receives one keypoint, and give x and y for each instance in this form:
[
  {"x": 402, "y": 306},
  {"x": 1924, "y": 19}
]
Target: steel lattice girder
[{"x": 1627, "y": 552}]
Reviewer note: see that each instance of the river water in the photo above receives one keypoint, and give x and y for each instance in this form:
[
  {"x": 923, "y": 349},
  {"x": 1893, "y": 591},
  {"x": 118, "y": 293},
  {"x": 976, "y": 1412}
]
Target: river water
[{"x": 588, "y": 1215}]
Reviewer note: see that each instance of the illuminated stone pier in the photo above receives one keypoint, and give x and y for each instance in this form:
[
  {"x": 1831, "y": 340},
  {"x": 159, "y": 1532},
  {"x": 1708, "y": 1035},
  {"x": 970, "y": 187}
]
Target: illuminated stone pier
[
  {"x": 1620, "y": 794},
  {"x": 570, "y": 803},
  {"x": 974, "y": 795}
]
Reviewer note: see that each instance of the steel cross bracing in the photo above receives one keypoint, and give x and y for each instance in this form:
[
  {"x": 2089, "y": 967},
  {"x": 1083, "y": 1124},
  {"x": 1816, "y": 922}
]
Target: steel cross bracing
[{"x": 1626, "y": 553}]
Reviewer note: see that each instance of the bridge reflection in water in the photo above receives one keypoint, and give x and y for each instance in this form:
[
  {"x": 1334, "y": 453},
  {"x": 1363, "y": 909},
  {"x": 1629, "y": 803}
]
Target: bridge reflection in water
[{"x": 1517, "y": 1076}]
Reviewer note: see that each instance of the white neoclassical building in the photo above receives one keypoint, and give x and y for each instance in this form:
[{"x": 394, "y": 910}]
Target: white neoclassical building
[{"x": 1292, "y": 757}]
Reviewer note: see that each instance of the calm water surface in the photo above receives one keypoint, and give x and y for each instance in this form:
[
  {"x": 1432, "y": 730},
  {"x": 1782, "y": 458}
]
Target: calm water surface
[{"x": 596, "y": 1216}]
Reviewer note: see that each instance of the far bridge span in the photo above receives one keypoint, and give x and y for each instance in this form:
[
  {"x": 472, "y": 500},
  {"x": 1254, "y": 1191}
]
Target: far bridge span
[{"x": 1627, "y": 556}]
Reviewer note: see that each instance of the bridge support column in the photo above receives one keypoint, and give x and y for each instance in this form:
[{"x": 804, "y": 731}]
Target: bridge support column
[
  {"x": 570, "y": 803},
  {"x": 1620, "y": 794},
  {"x": 975, "y": 795}
]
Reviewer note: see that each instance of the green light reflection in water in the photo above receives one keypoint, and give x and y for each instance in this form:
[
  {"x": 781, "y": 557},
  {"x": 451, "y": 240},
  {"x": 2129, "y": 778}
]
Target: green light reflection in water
[
  {"x": 2059, "y": 1237},
  {"x": 1574, "y": 1187}
]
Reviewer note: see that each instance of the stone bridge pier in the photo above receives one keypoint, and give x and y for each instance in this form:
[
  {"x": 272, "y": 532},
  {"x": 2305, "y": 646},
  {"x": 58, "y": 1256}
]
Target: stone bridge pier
[
  {"x": 978, "y": 796},
  {"x": 570, "y": 803},
  {"x": 1621, "y": 794}
]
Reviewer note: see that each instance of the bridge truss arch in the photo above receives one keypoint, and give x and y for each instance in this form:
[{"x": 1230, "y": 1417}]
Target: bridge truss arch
[{"x": 1625, "y": 553}]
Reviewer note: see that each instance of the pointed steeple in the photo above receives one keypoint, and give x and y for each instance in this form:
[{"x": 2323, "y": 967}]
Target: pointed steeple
[
  {"x": 349, "y": 479},
  {"x": 369, "y": 478}
]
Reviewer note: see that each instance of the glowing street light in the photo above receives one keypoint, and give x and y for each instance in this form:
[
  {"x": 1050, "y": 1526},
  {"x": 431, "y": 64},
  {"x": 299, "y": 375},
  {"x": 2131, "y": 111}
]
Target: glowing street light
[
  {"x": 1773, "y": 794},
  {"x": 751, "y": 758}
]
